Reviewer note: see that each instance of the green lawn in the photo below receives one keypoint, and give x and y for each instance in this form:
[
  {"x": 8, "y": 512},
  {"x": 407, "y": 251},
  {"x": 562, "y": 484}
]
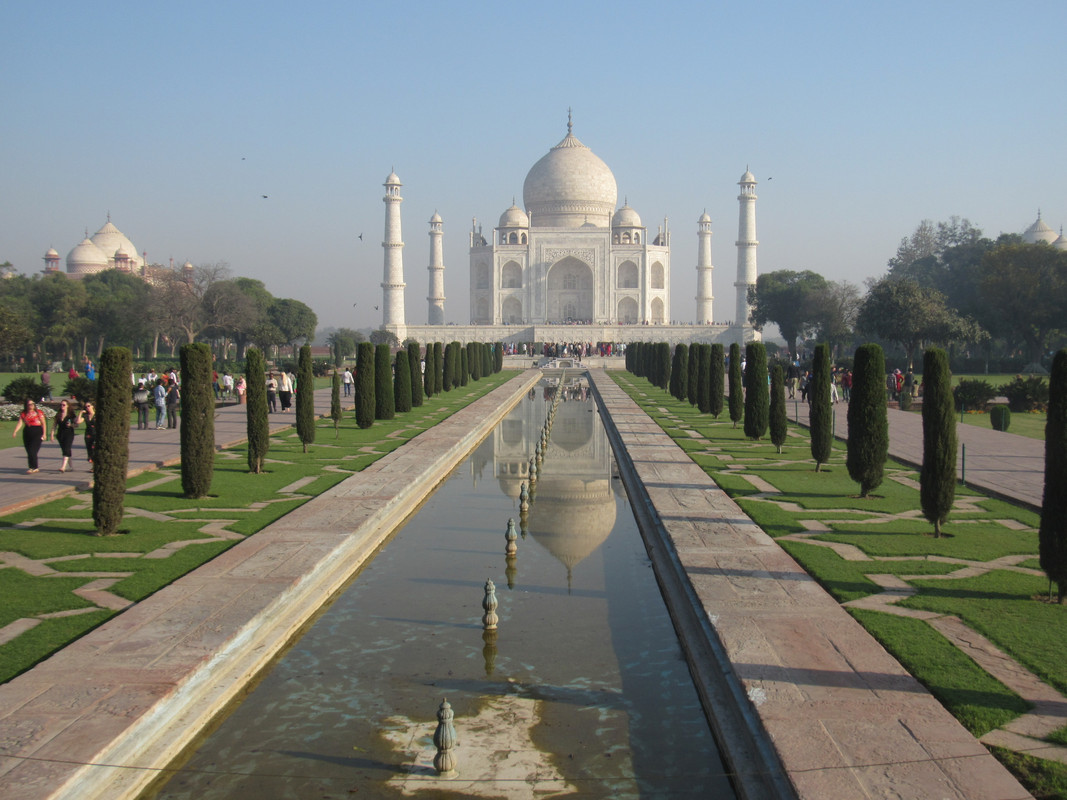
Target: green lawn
[
  {"x": 164, "y": 535},
  {"x": 1005, "y": 606}
]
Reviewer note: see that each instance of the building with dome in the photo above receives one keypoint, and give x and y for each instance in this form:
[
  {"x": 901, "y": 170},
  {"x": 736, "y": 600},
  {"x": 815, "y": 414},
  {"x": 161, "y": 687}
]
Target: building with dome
[
  {"x": 1041, "y": 232},
  {"x": 570, "y": 256},
  {"x": 108, "y": 248}
]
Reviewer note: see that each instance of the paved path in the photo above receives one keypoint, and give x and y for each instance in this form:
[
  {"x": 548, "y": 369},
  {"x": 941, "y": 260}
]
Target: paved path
[
  {"x": 148, "y": 450},
  {"x": 1004, "y": 464}
]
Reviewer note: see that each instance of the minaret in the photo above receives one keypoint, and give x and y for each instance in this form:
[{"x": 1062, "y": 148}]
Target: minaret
[
  {"x": 746, "y": 247},
  {"x": 393, "y": 274},
  {"x": 705, "y": 298},
  {"x": 436, "y": 298}
]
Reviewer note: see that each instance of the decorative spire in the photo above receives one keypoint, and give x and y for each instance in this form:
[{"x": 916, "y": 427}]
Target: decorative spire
[{"x": 569, "y": 123}]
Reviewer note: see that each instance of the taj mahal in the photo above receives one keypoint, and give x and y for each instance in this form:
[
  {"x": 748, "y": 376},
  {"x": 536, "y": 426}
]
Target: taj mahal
[{"x": 570, "y": 257}]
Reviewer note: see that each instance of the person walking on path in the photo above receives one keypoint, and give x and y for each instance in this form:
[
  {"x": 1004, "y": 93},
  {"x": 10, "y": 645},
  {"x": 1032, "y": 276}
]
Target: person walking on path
[
  {"x": 141, "y": 400},
  {"x": 159, "y": 394},
  {"x": 63, "y": 432},
  {"x": 347, "y": 379},
  {"x": 88, "y": 416},
  {"x": 285, "y": 391},
  {"x": 172, "y": 399},
  {"x": 241, "y": 388},
  {"x": 34, "y": 427},
  {"x": 272, "y": 394}
]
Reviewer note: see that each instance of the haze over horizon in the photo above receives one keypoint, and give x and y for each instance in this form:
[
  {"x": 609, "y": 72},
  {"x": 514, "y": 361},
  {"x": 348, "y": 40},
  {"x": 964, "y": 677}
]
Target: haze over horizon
[{"x": 858, "y": 121}]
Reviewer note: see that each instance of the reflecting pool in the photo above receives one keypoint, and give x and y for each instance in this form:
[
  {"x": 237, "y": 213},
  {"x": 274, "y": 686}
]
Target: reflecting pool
[{"x": 582, "y": 690}]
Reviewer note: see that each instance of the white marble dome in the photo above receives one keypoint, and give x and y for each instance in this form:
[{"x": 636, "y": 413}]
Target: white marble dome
[
  {"x": 110, "y": 240},
  {"x": 1039, "y": 232},
  {"x": 569, "y": 187},
  {"x": 514, "y": 217},
  {"x": 626, "y": 217},
  {"x": 86, "y": 257}
]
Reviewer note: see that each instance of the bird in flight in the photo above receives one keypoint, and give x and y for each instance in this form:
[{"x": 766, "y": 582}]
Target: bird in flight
[
  {"x": 264, "y": 197},
  {"x": 361, "y": 237},
  {"x": 376, "y": 308}
]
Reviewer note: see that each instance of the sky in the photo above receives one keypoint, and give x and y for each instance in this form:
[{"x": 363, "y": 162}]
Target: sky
[{"x": 859, "y": 120}]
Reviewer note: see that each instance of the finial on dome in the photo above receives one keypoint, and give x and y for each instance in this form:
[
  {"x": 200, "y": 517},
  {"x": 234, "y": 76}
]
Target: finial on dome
[
  {"x": 569, "y": 123},
  {"x": 109, "y": 215}
]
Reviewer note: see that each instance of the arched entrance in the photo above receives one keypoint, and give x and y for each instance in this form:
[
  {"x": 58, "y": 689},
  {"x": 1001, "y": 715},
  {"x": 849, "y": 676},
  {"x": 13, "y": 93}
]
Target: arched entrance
[
  {"x": 570, "y": 292},
  {"x": 627, "y": 311},
  {"x": 511, "y": 311}
]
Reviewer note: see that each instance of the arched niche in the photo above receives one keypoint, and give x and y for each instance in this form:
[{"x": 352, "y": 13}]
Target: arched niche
[
  {"x": 628, "y": 275},
  {"x": 657, "y": 311},
  {"x": 511, "y": 276},
  {"x": 627, "y": 311},
  {"x": 658, "y": 276},
  {"x": 511, "y": 311},
  {"x": 570, "y": 291}
]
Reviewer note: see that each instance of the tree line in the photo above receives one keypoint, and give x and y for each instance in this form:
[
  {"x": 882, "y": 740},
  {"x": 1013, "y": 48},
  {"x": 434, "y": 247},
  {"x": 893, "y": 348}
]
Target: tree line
[
  {"x": 47, "y": 318},
  {"x": 946, "y": 285}
]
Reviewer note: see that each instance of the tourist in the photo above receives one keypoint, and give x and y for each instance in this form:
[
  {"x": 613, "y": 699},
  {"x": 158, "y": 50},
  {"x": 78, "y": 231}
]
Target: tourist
[
  {"x": 227, "y": 385},
  {"x": 159, "y": 394},
  {"x": 272, "y": 394},
  {"x": 34, "y": 426},
  {"x": 172, "y": 404},
  {"x": 88, "y": 416},
  {"x": 63, "y": 432},
  {"x": 285, "y": 391},
  {"x": 347, "y": 380},
  {"x": 141, "y": 401},
  {"x": 241, "y": 386}
]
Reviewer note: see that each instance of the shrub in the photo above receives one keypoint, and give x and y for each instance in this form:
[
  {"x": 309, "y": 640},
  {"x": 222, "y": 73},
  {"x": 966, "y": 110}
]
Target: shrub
[
  {"x": 112, "y": 439},
  {"x": 1026, "y": 394},
  {"x": 415, "y": 368},
  {"x": 1000, "y": 417},
  {"x": 679, "y": 385},
  {"x": 757, "y": 400},
  {"x": 779, "y": 420},
  {"x": 821, "y": 413},
  {"x": 365, "y": 385},
  {"x": 22, "y": 389},
  {"x": 429, "y": 387},
  {"x": 703, "y": 367},
  {"x": 868, "y": 425},
  {"x": 973, "y": 394},
  {"x": 335, "y": 402},
  {"x": 384, "y": 407},
  {"x": 438, "y": 367},
  {"x": 663, "y": 365},
  {"x": 305, "y": 399},
  {"x": 1052, "y": 535},
  {"x": 80, "y": 388},
  {"x": 692, "y": 388},
  {"x": 402, "y": 382},
  {"x": 937, "y": 480},
  {"x": 256, "y": 410},
  {"x": 448, "y": 372},
  {"x": 905, "y": 401},
  {"x": 737, "y": 396},
  {"x": 464, "y": 364},
  {"x": 197, "y": 431},
  {"x": 716, "y": 379}
]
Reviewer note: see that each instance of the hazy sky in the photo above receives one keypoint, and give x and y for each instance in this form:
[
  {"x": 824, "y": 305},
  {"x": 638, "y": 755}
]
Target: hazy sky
[{"x": 177, "y": 117}]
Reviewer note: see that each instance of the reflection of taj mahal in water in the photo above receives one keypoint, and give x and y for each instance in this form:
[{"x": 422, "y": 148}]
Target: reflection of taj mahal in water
[
  {"x": 574, "y": 507},
  {"x": 570, "y": 258}
]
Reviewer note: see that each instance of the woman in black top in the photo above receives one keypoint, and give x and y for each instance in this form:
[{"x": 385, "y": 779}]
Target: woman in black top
[
  {"x": 63, "y": 431},
  {"x": 88, "y": 416}
]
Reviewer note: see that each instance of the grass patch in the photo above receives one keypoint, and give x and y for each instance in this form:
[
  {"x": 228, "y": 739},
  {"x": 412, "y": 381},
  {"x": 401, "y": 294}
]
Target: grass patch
[
  {"x": 1046, "y": 780},
  {"x": 159, "y": 516}
]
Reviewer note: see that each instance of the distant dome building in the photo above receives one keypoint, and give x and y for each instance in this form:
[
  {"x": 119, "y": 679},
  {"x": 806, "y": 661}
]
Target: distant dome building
[
  {"x": 108, "y": 248},
  {"x": 1041, "y": 232}
]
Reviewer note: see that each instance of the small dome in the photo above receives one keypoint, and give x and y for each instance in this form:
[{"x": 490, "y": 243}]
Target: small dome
[
  {"x": 435, "y": 219},
  {"x": 86, "y": 257},
  {"x": 704, "y": 217},
  {"x": 1060, "y": 243},
  {"x": 392, "y": 180},
  {"x": 1039, "y": 232},
  {"x": 188, "y": 266},
  {"x": 110, "y": 239},
  {"x": 120, "y": 253},
  {"x": 626, "y": 217},
  {"x": 748, "y": 177},
  {"x": 514, "y": 217},
  {"x": 51, "y": 253}
]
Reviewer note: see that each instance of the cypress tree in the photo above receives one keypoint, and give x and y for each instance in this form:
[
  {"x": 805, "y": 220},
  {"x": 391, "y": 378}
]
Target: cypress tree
[
  {"x": 448, "y": 379},
  {"x": 112, "y": 439},
  {"x": 428, "y": 373},
  {"x": 438, "y": 367},
  {"x": 365, "y": 385},
  {"x": 703, "y": 370},
  {"x": 757, "y": 401},
  {"x": 663, "y": 362},
  {"x": 335, "y": 403},
  {"x": 384, "y": 405},
  {"x": 197, "y": 431},
  {"x": 498, "y": 354},
  {"x": 305, "y": 398},
  {"x": 820, "y": 414},
  {"x": 464, "y": 364},
  {"x": 474, "y": 361},
  {"x": 937, "y": 480},
  {"x": 1052, "y": 535},
  {"x": 779, "y": 421},
  {"x": 402, "y": 382},
  {"x": 716, "y": 380},
  {"x": 256, "y": 410},
  {"x": 737, "y": 396},
  {"x": 415, "y": 368},
  {"x": 680, "y": 372},
  {"x": 692, "y": 387},
  {"x": 868, "y": 426}
]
